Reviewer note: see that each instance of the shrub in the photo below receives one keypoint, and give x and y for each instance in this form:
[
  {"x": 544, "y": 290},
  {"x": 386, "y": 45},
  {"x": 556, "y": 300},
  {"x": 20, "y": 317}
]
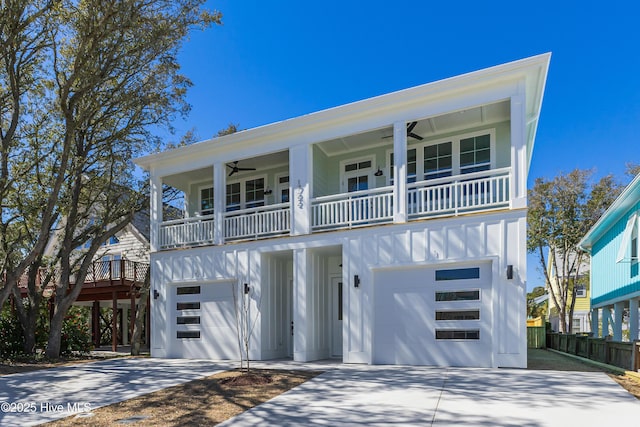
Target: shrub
[
  {"x": 76, "y": 334},
  {"x": 11, "y": 335}
]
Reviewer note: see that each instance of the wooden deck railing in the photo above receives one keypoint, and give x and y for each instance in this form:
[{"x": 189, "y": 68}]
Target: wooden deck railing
[{"x": 624, "y": 355}]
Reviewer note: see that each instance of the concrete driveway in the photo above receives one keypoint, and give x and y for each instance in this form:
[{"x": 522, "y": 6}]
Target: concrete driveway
[
  {"x": 343, "y": 395},
  {"x": 36, "y": 397},
  {"x": 410, "y": 396}
]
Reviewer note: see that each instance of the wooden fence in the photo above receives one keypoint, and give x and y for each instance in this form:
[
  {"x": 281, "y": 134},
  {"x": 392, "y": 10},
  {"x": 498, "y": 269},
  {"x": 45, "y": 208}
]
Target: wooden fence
[
  {"x": 536, "y": 337},
  {"x": 625, "y": 355}
]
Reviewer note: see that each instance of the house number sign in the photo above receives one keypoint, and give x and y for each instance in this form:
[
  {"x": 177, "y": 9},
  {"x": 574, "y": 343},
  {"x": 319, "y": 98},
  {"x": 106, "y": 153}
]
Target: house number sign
[{"x": 300, "y": 196}]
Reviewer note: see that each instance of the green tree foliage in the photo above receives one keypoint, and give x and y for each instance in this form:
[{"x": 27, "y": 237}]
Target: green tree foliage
[
  {"x": 535, "y": 309},
  {"x": 101, "y": 74},
  {"x": 561, "y": 211}
]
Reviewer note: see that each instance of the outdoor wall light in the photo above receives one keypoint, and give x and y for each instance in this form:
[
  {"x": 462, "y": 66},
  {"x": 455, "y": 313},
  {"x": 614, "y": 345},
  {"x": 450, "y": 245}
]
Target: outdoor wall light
[
  {"x": 509, "y": 271},
  {"x": 246, "y": 288},
  {"x": 379, "y": 172},
  {"x": 156, "y": 294},
  {"x": 356, "y": 281},
  {"x": 268, "y": 191}
]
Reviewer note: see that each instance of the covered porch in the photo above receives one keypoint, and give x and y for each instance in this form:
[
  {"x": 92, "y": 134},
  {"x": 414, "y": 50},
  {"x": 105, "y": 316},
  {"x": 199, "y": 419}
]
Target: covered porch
[{"x": 445, "y": 165}]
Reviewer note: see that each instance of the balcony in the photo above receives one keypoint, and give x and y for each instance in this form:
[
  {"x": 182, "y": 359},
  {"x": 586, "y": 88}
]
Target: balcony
[{"x": 450, "y": 196}]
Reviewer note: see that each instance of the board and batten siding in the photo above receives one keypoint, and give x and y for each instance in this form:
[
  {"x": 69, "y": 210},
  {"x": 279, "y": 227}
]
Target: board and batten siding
[
  {"x": 499, "y": 238},
  {"x": 611, "y": 280}
]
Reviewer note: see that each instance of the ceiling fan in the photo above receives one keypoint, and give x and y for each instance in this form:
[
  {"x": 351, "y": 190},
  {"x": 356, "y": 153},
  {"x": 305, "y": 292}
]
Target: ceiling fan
[
  {"x": 410, "y": 133},
  {"x": 236, "y": 169}
]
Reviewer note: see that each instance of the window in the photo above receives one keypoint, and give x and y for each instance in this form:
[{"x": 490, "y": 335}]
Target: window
[
  {"x": 472, "y": 152},
  {"x": 457, "y": 334},
  {"x": 475, "y": 154},
  {"x": 581, "y": 291},
  {"x": 187, "y": 290},
  {"x": 254, "y": 193},
  {"x": 233, "y": 196},
  {"x": 357, "y": 174},
  {"x": 188, "y": 334},
  {"x": 412, "y": 165},
  {"x": 458, "y": 315},
  {"x": 283, "y": 189},
  {"x": 206, "y": 201},
  {"x": 438, "y": 160},
  {"x": 628, "y": 250},
  {"x": 576, "y": 326},
  {"x": 473, "y": 295},
  {"x": 188, "y": 320},
  {"x": 188, "y": 305},
  {"x": 458, "y": 274}
]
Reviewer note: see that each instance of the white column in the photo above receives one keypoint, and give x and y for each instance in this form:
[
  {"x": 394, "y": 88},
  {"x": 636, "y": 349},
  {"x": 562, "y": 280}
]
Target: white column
[
  {"x": 618, "y": 310},
  {"x": 302, "y": 340},
  {"x": 606, "y": 314},
  {"x": 594, "y": 322},
  {"x": 219, "y": 201},
  {"x": 300, "y": 181},
  {"x": 519, "y": 166},
  {"x": 400, "y": 172},
  {"x": 155, "y": 211},
  {"x": 633, "y": 319}
]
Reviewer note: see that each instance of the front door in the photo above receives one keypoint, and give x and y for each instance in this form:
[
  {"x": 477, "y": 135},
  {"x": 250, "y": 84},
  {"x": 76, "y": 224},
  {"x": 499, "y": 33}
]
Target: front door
[{"x": 336, "y": 317}]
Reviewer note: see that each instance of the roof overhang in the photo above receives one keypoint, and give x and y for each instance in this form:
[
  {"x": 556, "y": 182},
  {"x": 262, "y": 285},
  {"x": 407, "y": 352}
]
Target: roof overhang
[
  {"x": 623, "y": 203},
  {"x": 527, "y": 76}
]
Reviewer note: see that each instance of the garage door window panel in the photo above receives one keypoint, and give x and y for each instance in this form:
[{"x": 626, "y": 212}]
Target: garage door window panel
[
  {"x": 466, "y": 295},
  {"x": 188, "y": 290},
  {"x": 457, "y": 334},
  {"x": 458, "y": 274},
  {"x": 458, "y": 315},
  {"x": 188, "y": 334},
  {"x": 188, "y": 320}
]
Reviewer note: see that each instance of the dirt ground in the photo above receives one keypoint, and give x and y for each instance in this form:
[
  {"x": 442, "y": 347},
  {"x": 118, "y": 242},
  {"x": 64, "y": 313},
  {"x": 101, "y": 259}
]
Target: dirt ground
[{"x": 208, "y": 401}]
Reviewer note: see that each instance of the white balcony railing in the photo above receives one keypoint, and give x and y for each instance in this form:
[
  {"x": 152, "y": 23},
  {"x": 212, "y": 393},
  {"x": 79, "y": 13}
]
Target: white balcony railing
[
  {"x": 186, "y": 232},
  {"x": 348, "y": 210},
  {"x": 458, "y": 194},
  {"x": 438, "y": 197},
  {"x": 256, "y": 223}
]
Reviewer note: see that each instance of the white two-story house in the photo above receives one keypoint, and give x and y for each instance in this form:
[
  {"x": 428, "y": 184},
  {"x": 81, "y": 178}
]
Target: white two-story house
[{"x": 387, "y": 231}]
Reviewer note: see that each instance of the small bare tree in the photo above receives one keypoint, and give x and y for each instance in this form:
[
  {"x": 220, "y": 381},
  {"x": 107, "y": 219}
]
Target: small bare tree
[{"x": 245, "y": 323}]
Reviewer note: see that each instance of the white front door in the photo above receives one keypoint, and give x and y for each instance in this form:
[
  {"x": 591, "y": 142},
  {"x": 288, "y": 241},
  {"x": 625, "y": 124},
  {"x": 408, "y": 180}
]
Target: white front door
[{"x": 336, "y": 317}]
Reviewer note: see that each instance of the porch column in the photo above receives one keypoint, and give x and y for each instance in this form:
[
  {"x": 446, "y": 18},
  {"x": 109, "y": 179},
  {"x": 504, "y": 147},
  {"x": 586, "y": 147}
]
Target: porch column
[
  {"x": 606, "y": 314},
  {"x": 618, "y": 310},
  {"x": 302, "y": 339},
  {"x": 114, "y": 321},
  {"x": 594, "y": 322},
  {"x": 95, "y": 323},
  {"x": 519, "y": 166},
  {"x": 156, "y": 211},
  {"x": 219, "y": 202},
  {"x": 633, "y": 319},
  {"x": 400, "y": 172},
  {"x": 300, "y": 181}
]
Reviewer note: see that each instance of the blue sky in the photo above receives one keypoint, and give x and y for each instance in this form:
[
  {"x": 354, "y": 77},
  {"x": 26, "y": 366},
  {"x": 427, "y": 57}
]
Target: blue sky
[{"x": 275, "y": 60}]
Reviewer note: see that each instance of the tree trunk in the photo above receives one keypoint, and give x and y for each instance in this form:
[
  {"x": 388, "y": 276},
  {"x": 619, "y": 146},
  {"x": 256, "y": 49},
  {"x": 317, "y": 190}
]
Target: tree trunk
[
  {"x": 54, "y": 342},
  {"x": 143, "y": 303}
]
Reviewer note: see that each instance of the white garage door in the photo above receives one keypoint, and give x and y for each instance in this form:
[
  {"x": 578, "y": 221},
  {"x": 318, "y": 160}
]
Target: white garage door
[
  {"x": 433, "y": 316},
  {"x": 204, "y": 323}
]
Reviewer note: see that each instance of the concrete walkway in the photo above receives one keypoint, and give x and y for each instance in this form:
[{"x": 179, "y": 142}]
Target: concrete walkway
[
  {"x": 36, "y": 397},
  {"x": 343, "y": 395}
]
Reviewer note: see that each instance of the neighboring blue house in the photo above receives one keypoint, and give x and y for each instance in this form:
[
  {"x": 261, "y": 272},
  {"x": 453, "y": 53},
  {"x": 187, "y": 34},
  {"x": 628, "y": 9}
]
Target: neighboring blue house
[{"x": 615, "y": 277}]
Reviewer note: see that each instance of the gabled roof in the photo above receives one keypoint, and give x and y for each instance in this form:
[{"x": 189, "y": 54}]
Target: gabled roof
[
  {"x": 625, "y": 201},
  {"x": 530, "y": 72}
]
